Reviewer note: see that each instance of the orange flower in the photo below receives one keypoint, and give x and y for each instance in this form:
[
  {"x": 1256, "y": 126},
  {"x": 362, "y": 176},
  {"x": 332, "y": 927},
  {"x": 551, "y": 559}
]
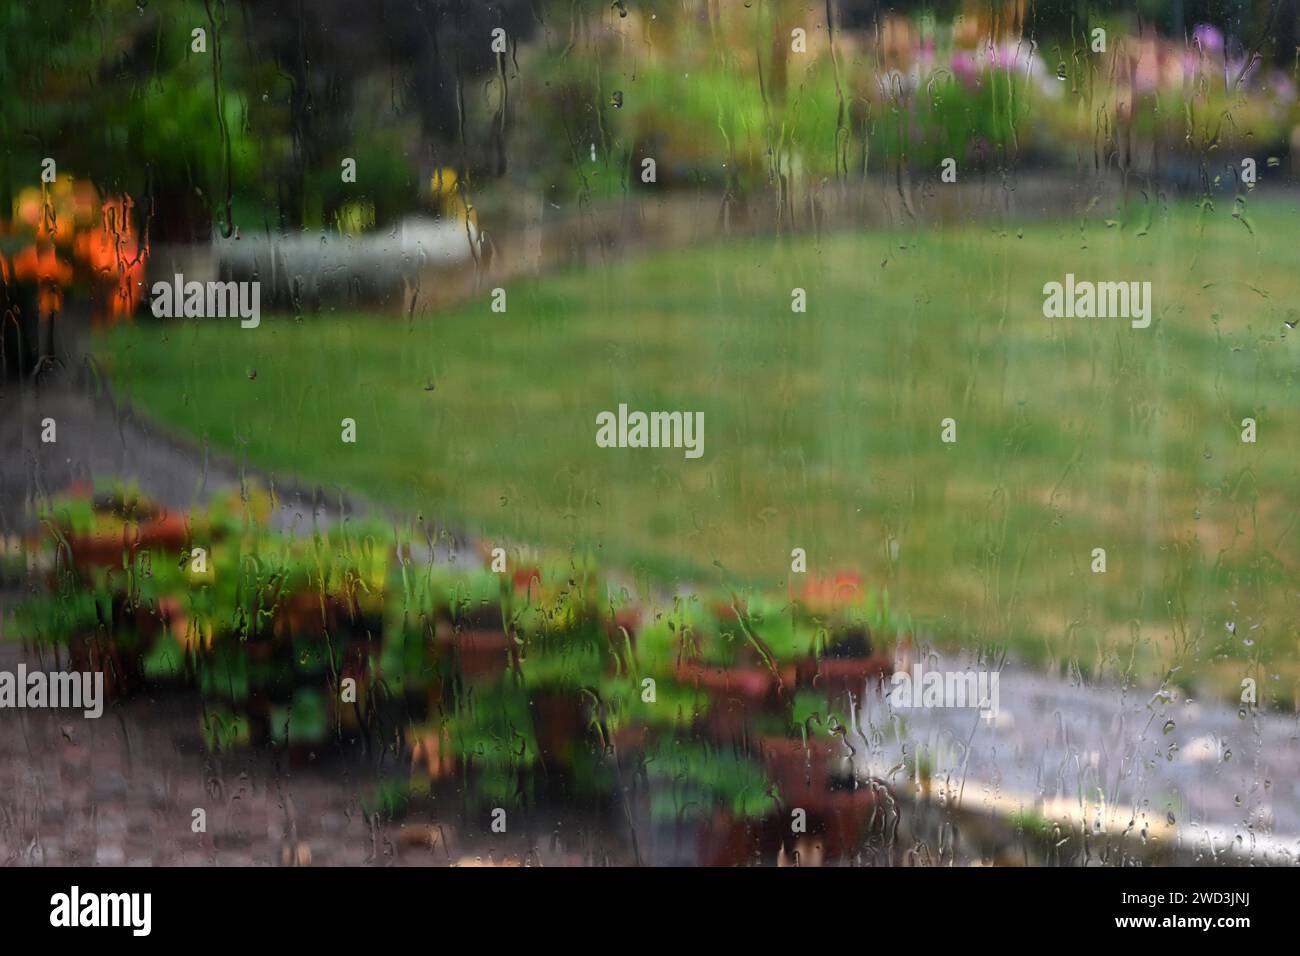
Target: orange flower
[
  {"x": 116, "y": 261},
  {"x": 842, "y": 589},
  {"x": 40, "y": 263}
]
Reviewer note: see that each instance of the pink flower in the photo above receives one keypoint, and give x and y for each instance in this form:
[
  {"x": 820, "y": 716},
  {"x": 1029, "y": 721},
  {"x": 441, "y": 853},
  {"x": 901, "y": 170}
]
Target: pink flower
[
  {"x": 1281, "y": 85},
  {"x": 966, "y": 68},
  {"x": 1208, "y": 37}
]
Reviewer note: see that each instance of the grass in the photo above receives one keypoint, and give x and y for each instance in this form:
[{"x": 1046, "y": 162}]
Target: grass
[{"x": 822, "y": 430}]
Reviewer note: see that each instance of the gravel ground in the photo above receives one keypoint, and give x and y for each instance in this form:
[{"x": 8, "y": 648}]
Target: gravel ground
[{"x": 122, "y": 790}]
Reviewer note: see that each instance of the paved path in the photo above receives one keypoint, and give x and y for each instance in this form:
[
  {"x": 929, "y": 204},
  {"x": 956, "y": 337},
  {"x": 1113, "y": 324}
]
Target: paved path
[
  {"x": 1195, "y": 776},
  {"x": 98, "y": 439}
]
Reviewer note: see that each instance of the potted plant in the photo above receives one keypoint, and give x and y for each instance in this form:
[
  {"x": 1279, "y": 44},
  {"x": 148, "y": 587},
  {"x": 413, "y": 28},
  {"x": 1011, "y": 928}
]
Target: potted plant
[{"x": 718, "y": 801}]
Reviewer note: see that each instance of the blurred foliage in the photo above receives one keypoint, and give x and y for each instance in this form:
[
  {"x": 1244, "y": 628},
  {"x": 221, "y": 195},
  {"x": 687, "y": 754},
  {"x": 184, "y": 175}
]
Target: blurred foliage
[
  {"x": 256, "y": 123},
  {"x": 735, "y": 108},
  {"x": 251, "y": 131}
]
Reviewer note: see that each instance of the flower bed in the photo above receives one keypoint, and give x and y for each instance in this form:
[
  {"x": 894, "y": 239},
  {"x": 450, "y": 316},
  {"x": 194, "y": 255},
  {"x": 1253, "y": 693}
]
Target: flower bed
[{"x": 510, "y": 689}]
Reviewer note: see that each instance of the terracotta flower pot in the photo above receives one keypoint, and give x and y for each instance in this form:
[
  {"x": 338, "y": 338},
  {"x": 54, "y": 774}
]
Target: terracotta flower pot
[
  {"x": 835, "y": 676},
  {"x": 752, "y": 685},
  {"x": 162, "y": 535},
  {"x": 100, "y": 550},
  {"x": 843, "y": 816},
  {"x": 166, "y": 532},
  {"x": 432, "y": 752},
  {"x": 738, "y": 695},
  {"x": 99, "y": 654},
  {"x": 477, "y": 654},
  {"x": 800, "y": 770},
  {"x": 353, "y": 666},
  {"x": 634, "y": 738},
  {"x": 557, "y": 726},
  {"x": 301, "y": 613},
  {"x": 478, "y": 617},
  {"x": 725, "y": 722},
  {"x": 728, "y": 840}
]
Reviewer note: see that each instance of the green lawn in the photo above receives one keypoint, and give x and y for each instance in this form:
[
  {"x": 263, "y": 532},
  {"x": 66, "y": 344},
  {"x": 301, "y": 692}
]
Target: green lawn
[{"x": 822, "y": 430}]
